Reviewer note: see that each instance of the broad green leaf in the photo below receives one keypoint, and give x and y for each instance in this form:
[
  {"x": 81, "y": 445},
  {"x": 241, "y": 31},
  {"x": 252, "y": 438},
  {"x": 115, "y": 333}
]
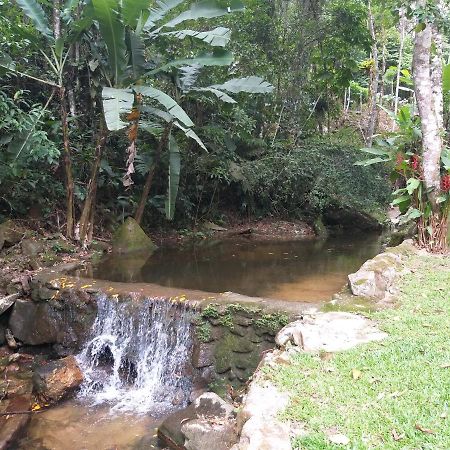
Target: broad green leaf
[
  {"x": 113, "y": 33},
  {"x": 376, "y": 151},
  {"x": 159, "y": 12},
  {"x": 219, "y": 57},
  {"x": 6, "y": 62},
  {"x": 190, "y": 133},
  {"x": 401, "y": 199},
  {"x": 188, "y": 76},
  {"x": 369, "y": 162},
  {"x": 168, "y": 102},
  {"x": 131, "y": 10},
  {"x": 252, "y": 85},
  {"x": 442, "y": 199},
  {"x": 446, "y": 78},
  {"x": 137, "y": 55},
  {"x": 219, "y": 37},
  {"x": 445, "y": 158},
  {"x": 219, "y": 94},
  {"x": 167, "y": 117},
  {"x": 412, "y": 184},
  {"x": 115, "y": 103},
  {"x": 174, "y": 177},
  {"x": 206, "y": 9},
  {"x": 59, "y": 47},
  {"x": 34, "y": 11}
]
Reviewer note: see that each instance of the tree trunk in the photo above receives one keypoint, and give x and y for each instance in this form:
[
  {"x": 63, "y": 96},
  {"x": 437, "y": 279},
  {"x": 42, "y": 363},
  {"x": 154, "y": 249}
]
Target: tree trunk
[
  {"x": 431, "y": 131},
  {"x": 86, "y": 224},
  {"x": 427, "y": 66},
  {"x": 70, "y": 205},
  {"x": 151, "y": 173},
  {"x": 400, "y": 60},
  {"x": 373, "y": 111}
]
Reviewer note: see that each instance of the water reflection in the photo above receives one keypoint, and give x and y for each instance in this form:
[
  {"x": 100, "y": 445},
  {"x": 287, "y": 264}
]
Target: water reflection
[
  {"x": 300, "y": 270},
  {"x": 76, "y": 426}
]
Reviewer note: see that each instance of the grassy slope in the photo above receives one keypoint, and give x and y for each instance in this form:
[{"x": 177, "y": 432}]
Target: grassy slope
[{"x": 404, "y": 381}]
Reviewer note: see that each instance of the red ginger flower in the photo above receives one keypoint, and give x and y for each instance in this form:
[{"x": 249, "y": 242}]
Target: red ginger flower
[{"x": 445, "y": 183}]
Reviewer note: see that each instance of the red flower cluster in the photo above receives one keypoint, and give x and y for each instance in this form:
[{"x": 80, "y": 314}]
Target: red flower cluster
[
  {"x": 445, "y": 183},
  {"x": 414, "y": 162}
]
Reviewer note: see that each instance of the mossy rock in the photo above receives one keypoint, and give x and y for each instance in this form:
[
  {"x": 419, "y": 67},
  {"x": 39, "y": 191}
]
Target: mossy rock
[
  {"x": 130, "y": 238},
  {"x": 10, "y": 233}
]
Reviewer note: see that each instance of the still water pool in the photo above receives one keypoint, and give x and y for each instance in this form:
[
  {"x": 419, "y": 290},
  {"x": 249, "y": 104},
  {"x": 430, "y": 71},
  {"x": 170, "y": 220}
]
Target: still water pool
[{"x": 301, "y": 270}]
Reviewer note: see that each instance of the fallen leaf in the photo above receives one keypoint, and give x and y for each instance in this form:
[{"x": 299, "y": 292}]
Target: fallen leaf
[
  {"x": 356, "y": 374},
  {"x": 35, "y": 407},
  {"x": 326, "y": 356},
  {"x": 423, "y": 429},
  {"x": 396, "y": 436},
  {"x": 339, "y": 439},
  {"x": 445, "y": 366}
]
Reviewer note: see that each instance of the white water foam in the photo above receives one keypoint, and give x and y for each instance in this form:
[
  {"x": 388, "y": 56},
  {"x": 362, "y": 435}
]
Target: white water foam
[{"x": 137, "y": 356}]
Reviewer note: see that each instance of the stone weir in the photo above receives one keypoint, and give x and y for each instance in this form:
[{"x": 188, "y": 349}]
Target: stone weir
[{"x": 229, "y": 333}]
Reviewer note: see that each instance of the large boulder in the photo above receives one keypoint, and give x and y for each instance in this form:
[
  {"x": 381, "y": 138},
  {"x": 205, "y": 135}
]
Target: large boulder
[
  {"x": 65, "y": 319},
  {"x": 10, "y": 234},
  {"x": 376, "y": 276},
  {"x": 130, "y": 238},
  {"x": 57, "y": 379},
  {"x": 32, "y": 247},
  {"x": 208, "y": 423},
  {"x": 330, "y": 332}
]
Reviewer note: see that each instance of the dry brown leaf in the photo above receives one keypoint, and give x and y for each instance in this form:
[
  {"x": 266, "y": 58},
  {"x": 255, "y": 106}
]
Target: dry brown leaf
[
  {"x": 326, "y": 356},
  {"x": 356, "y": 374},
  {"x": 423, "y": 429},
  {"x": 396, "y": 436}
]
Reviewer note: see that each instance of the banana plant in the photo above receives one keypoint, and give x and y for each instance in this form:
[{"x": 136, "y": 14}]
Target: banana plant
[
  {"x": 57, "y": 49},
  {"x": 134, "y": 99}
]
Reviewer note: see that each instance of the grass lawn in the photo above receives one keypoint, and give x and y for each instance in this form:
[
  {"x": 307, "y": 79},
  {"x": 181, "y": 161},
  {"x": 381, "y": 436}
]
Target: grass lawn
[{"x": 393, "y": 394}]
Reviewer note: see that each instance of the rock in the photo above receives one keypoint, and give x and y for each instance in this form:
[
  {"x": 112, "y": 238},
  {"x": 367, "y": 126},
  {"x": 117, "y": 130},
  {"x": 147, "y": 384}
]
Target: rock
[
  {"x": 202, "y": 356},
  {"x": 330, "y": 332},
  {"x": 209, "y": 434},
  {"x": 10, "y": 233},
  {"x": 260, "y": 427},
  {"x": 65, "y": 320},
  {"x": 31, "y": 248},
  {"x": 9, "y": 337},
  {"x": 7, "y": 302},
  {"x": 206, "y": 411},
  {"x": 376, "y": 276},
  {"x": 130, "y": 237},
  {"x": 57, "y": 379}
]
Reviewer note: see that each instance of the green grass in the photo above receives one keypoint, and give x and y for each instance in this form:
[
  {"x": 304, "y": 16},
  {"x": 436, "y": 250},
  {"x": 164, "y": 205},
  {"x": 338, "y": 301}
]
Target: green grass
[{"x": 404, "y": 382}]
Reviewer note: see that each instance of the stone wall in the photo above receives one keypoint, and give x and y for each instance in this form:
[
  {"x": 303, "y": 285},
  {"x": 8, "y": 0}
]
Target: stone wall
[{"x": 230, "y": 341}]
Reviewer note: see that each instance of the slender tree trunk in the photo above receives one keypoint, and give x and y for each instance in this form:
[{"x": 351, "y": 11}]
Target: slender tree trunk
[
  {"x": 70, "y": 205},
  {"x": 400, "y": 60},
  {"x": 151, "y": 173},
  {"x": 373, "y": 111},
  {"x": 86, "y": 223}
]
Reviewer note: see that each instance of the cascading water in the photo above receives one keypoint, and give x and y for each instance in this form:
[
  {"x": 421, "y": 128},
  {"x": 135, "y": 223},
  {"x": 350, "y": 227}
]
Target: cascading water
[{"x": 137, "y": 356}]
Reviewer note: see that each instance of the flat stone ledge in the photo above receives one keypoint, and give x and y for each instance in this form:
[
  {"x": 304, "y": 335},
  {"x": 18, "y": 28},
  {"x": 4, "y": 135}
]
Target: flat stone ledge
[{"x": 330, "y": 332}]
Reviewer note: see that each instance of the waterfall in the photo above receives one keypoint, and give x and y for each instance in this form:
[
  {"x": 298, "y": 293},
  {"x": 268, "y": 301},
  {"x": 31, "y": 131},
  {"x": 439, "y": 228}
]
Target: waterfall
[{"x": 137, "y": 355}]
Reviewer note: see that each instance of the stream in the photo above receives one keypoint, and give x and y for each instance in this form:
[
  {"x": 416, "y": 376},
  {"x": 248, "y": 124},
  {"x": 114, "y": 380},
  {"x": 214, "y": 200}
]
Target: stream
[{"x": 134, "y": 359}]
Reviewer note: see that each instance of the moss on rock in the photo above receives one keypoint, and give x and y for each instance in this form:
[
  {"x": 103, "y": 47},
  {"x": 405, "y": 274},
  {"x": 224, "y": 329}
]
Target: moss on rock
[{"x": 130, "y": 238}]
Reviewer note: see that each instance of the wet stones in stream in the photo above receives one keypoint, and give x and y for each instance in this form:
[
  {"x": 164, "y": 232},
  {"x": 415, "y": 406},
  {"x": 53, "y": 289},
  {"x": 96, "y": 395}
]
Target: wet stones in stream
[{"x": 208, "y": 423}]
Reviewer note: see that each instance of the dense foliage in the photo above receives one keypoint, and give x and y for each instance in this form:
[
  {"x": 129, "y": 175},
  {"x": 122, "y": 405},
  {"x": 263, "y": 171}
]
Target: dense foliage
[{"x": 219, "y": 106}]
